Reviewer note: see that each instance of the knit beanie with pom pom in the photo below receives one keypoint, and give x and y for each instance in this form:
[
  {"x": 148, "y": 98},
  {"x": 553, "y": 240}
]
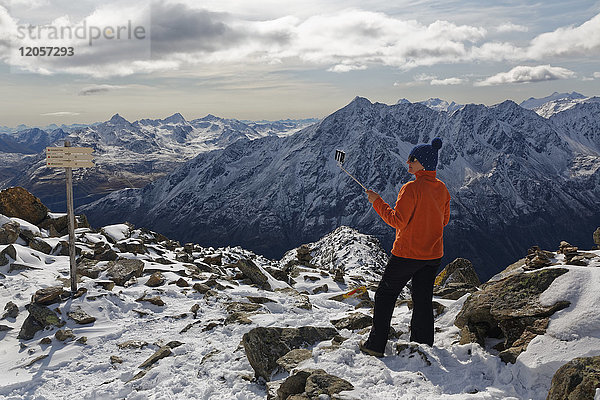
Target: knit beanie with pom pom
[{"x": 427, "y": 154}]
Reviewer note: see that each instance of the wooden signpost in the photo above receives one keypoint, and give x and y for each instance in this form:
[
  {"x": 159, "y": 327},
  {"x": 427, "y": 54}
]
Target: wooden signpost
[{"x": 68, "y": 158}]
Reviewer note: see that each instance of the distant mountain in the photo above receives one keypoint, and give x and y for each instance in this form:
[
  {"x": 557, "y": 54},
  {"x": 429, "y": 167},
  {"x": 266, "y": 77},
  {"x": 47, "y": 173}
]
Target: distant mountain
[
  {"x": 127, "y": 154},
  {"x": 436, "y": 104},
  {"x": 516, "y": 180},
  {"x": 533, "y": 103}
]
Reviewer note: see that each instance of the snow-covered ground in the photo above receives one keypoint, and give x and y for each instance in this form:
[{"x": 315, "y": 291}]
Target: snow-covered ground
[{"x": 211, "y": 362}]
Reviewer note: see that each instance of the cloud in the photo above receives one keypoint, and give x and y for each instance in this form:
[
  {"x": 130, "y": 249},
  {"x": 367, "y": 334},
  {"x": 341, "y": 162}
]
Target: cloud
[
  {"x": 567, "y": 41},
  {"x": 184, "y": 37},
  {"x": 597, "y": 75},
  {"x": 510, "y": 27},
  {"x": 447, "y": 81},
  {"x": 59, "y": 114},
  {"x": 525, "y": 74},
  {"x": 97, "y": 89}
]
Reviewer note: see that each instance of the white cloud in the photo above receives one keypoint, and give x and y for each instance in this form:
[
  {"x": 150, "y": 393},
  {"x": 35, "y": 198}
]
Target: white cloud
[
  {"x": 597, "y": 75},
  {"x": 447, "y": 81},
  {"x": 510, "y": 27},
  {"x": 526, "y": 74},
  {"x": 567, "y": 41},
  {"x": 59, "y": 114}
]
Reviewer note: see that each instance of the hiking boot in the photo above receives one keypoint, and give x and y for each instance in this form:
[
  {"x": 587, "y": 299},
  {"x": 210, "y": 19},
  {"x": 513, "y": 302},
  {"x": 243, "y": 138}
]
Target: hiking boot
[{"x": 368, "y": 351}]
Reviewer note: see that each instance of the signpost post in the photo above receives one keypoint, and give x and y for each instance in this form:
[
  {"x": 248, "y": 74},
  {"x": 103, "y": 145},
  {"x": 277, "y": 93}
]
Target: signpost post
[{"x": 68, "y": 158}]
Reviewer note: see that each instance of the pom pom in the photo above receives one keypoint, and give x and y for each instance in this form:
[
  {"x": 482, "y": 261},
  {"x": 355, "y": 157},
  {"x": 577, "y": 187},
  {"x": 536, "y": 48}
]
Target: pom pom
[{"x": 436, "y": 143}]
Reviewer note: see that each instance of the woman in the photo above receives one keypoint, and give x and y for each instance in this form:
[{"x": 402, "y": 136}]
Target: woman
[{"x": 419, "y": 216}]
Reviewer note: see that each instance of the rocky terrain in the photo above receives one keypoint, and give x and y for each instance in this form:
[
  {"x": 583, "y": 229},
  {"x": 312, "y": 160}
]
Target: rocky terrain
[{"x": 153, "y": 318}]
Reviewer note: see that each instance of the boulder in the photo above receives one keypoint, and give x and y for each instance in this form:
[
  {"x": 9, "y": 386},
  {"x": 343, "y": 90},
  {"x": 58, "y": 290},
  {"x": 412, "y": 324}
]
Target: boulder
[
  {"x": 81, "y": 317},
  {"x": 294, "y": 384},
  {"x": 320, "y": 383},
  {"x": 254, "y": 273},
  {"x": 134, "y": 246},
  {"x": 49, "y": 295},
  {"x": 353, "y": 322},
  {"x": 578, "y": 379},
  {"x": 18, "y": 202},
  {"x": 291, "y": 360},
  {"x": 264, "y": 346},
  {"x": 90, "y": 268},
  {"x": 40, "y": 245},
  {"x": 537, "y": 258},
  {"x": 456, "y": 279},
  {"x": 58, "y": 226},
  {"x": 506, "y": 308},
  {"x": 64, "y": 335},
  {"x": 597, "y": 237},
  {"x": 121, "y": 271},
  {"x": 9, "y": 232},
  {"x": 40, "y": 317},
  {"x": 11, "y": 310},
  {"x": 6, "y": 253},
  {"x": 156, "y": 279}
]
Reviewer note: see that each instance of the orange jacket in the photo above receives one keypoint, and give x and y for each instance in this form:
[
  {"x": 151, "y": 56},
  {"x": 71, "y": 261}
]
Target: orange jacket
[{"x": 419, "y": 216}]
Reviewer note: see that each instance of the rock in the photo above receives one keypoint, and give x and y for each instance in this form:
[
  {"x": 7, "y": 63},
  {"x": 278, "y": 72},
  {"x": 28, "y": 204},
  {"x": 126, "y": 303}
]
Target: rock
[
  {"x": 40, "y": 245},
  {"x": 4, "y": 328},
  {"x": 412, "y": 350},
  {"x": 9, "y": 232},
  {"x": 238, "y": 318},
  {"x": 537, "y": 258},
  {"x": 49, "y": 295},
  {"x": 156, "y": 300},
  {"x": 213, "y": 260},
  {"x": 156, "y": 279},
  {"x": 303, "y": 255},
  {"x": 134, "y": 246},
  {"x": 291, "y": 360},
  {"x": 18, "y": 202},
  {"x": 106, "y": 285},
  {"x": 8, "y": 251},
  {"x": 577, "y": 379},
  {"x": 597, "y": 237},
  {"x": 121, "y": 271},
  {"x": 57, "y": 226},
  {"x": 11, "y": 310},
  {"x": 353, "y": 322},
  {"x": 321, "y": 289},
  {"x": 182, "y": 283},
  {"x": 90, "y": 268},
  {"x": 506, "y": 308},
  {"x": 280, "y": 275},
  {"x": 456, "y": 279},
  {"x": 116, "y": 360},
  {"x": 264, "y": 346},
  {"x": 201, "y": 288},
  {"x": 320, "y": 382},
  {"x": 161, "y": 353},
  {"x": 64, "y": 334},
  {"x": 253, "y": 272},
  {"x": 46, "y": 341},
  {"x": 259, "y": 300},
  {"x": 458, "y": 271},
  {"x": 132, "y": 344},
  {"x": 294, "y": 384},
  {"x": 81, "y": 317},
  {"x": 82, "y": 340},
  {"x": 520, "y": 345}
]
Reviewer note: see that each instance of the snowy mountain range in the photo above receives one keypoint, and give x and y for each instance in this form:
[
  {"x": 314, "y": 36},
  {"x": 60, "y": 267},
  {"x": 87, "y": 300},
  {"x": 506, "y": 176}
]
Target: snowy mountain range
[
  {"x": 556, "y": 102},
  {"x": 516, "y": 179},
  {"x": 128, "y": 154}
]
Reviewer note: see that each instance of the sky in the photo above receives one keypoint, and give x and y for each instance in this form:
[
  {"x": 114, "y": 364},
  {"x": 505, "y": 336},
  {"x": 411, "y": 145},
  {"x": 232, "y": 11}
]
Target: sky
[{"x": 268, "y": 59}]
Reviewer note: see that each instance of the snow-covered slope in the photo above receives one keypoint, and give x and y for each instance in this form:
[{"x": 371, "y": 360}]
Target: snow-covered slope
[
  {"x": 201, "y": 322},
  {"x": 556, "y": 103},
  {"x": 516, "y": 180}
]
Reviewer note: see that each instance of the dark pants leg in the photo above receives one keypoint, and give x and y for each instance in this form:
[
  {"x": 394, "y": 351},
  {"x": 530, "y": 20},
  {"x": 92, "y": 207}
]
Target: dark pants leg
[{"x": 398, "y": 272}]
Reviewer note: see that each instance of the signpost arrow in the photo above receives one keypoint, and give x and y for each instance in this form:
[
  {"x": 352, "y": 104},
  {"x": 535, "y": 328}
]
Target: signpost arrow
[{"x": 68, "y": 158}]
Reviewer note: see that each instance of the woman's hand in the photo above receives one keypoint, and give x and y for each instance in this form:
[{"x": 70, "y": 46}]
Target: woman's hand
[{"x": 372, "y": 195}]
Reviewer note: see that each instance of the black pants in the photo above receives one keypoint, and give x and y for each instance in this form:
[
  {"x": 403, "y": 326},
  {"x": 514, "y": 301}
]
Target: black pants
[{"x": 398, "y": 272}]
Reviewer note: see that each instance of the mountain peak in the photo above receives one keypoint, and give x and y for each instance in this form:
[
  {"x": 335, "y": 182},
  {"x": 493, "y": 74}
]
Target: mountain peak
[
  {"x": 532, "y": 102},
  {"x": 176, "y": 118},
  {"x": 118, "y": 120}
]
